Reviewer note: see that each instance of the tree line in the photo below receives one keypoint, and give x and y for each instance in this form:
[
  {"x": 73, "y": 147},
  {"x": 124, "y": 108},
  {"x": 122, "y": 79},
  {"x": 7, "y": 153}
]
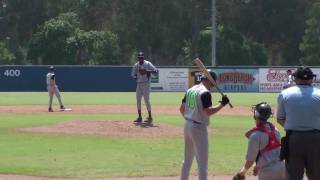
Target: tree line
[{"x": 111, "y": 32}]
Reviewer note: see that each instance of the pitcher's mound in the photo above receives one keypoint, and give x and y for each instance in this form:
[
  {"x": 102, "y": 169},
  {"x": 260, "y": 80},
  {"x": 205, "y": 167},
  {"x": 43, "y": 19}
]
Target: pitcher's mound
[{"x": 110, "y": 128}]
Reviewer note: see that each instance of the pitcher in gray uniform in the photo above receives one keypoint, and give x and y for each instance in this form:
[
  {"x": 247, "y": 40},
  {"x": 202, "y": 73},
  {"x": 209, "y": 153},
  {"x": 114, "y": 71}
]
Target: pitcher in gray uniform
[
  {"x": 53, "y": 89},
  {"x": 264, "y": 146},
  {"x": 196, "y": 108},
  {"x": 141, "y": 72}
]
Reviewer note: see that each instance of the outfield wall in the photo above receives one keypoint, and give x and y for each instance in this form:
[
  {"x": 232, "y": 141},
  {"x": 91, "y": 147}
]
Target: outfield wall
[
  {"x": 68, "y": 78},
  {"x": 118, "y": 79}
]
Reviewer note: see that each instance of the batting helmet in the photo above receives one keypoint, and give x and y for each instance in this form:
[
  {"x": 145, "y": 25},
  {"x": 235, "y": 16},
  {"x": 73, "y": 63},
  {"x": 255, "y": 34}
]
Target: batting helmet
[
  {"x": 140, "y": 55},
  {"x": 262, "y": 111},
  {"x": 52, "y": 68},
  {"x": 304, "y": 73},
  {"x": 213, "y": 75}
]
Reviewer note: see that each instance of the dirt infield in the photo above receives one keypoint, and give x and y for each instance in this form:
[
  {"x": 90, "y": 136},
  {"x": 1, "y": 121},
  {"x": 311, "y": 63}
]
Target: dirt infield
[
  {"x": 17, "y": 177},
  {"x": 113, "y": 109},
  {"x": 109, "y": 128}
]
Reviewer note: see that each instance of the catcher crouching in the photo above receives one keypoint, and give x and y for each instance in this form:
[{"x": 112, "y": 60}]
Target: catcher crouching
[{"x": 263, "y": 147}]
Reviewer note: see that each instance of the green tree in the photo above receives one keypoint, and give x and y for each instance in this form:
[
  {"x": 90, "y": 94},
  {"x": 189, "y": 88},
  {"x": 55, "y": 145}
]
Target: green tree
[
  {"x": 310, "y": 46},
  {"x": 49, "y": 44},
  {"x": 233, "y": 48},
  {"x": 279, "y": 25},
  {"x": 61, "y": 41},
  {"x": 161, "y": 28},
  {"x": 6, "y": 57}
]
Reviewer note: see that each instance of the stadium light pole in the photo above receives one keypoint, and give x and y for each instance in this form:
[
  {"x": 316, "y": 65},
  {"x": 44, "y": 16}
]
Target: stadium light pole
[{"x": 213, "y": 32}]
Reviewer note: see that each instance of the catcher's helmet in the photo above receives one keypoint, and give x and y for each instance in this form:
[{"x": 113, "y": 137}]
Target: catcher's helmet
[
  {"x": 262, "y": 111},
  {"x": 140, "y": 55},
  {"x": 304, "y": 73},
  {"x": 213, "y": 75}
]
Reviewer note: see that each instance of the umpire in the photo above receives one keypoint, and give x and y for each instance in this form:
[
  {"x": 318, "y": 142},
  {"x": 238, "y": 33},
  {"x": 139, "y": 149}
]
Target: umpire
[{"x": 299, "y": 114}]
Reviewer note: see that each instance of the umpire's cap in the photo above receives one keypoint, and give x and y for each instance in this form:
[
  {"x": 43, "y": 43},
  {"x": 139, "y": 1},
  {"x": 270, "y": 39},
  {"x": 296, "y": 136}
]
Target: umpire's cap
[
  {"x": 304, "y": 73},
  {"x": 213, "y": 75}
]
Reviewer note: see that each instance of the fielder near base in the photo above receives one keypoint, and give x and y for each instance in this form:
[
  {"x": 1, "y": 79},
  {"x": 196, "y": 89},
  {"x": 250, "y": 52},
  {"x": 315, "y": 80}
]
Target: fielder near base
[{"x": 53, "y": 90}]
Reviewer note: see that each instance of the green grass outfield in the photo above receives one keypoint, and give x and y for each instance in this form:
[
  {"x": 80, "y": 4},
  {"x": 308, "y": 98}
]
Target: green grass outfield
[{"x": 90, "y": 157}]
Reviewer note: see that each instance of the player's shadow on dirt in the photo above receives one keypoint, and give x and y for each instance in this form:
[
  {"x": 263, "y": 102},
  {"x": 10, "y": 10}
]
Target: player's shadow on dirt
[{"x": 145, "y": 125}]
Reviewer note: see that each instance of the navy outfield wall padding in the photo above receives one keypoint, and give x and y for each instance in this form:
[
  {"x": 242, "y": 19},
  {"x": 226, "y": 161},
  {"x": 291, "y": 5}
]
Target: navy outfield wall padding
[{"x": 68, "y": 78}]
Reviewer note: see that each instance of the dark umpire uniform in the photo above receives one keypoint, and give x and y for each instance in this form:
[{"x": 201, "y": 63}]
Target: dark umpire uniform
[{"x": 299, "y": 114}]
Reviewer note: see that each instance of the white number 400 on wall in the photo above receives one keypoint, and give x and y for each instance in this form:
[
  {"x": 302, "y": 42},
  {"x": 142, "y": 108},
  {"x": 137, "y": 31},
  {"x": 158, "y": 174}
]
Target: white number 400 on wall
[{"x": 12, "y": 73}]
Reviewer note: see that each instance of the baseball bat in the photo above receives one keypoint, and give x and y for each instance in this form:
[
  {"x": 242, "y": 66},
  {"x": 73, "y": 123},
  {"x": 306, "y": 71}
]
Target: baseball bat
[{"x": 210, "y": 78}]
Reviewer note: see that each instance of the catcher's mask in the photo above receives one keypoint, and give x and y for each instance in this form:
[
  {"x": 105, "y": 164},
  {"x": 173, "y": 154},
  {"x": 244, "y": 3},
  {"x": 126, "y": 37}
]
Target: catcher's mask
[{"x": 262, "y": 111}]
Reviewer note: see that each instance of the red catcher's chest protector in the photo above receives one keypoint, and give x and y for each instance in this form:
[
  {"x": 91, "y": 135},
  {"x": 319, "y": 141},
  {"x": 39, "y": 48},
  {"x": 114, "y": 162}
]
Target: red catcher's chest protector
[{"x": 273, "y": 142}]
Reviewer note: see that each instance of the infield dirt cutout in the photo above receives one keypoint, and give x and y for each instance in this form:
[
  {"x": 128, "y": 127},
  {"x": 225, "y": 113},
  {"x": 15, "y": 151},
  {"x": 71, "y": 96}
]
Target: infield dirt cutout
[{"x": 109, "y": 128}]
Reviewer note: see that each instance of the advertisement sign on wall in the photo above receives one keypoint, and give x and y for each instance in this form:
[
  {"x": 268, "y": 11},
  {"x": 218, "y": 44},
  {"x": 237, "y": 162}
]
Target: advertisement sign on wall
[
  {"x": 238, "y": 80},
  {"x": 231, "y": 80},
  {"x": 316, "y": 82},
  {"x": 273, "y": 79},
  {"x": 170, "y": 79}
]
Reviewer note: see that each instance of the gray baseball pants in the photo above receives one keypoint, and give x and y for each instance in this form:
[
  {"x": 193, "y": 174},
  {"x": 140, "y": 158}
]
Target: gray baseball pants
[
  {"x": 196, "y": 144},
  {"x": 274, "y": 171},
  {"x": 53, "y": 90},
  {"x": 143, "y": 89}
]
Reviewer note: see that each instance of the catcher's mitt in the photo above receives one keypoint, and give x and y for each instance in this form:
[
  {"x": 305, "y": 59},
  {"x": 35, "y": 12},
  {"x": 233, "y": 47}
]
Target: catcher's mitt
[{"x": 238, "y": 177}]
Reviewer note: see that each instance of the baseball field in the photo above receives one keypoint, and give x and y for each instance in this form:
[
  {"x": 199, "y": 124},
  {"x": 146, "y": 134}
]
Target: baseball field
[{"x": 97, "y": 140}]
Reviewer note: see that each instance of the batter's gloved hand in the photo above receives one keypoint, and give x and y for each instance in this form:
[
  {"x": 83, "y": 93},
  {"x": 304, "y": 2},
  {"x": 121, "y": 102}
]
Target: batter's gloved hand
[
  {"x": 224, "y": 100},
  {"x": 238, "y": 177}
]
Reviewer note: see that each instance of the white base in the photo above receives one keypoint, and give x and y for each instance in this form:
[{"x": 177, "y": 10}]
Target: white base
[{"x": 67, "y": 109}]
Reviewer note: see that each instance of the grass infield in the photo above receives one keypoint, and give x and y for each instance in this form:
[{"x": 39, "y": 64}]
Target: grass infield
[{"x": 90, "y": 156}]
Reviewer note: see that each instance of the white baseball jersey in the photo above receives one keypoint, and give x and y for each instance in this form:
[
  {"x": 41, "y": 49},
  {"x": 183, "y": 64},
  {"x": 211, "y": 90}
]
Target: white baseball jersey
[
  {"x": 139, "y": 77},
  {"x": 193, "y": 107},
  {"x": 50, "y": 78},
  {"x": 290, "y": 81}
]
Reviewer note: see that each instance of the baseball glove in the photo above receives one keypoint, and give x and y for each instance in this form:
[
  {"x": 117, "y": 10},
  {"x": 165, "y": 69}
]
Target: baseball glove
[
  {"x": 238, "y": 177},
  {"x": 143, "y": 71}
]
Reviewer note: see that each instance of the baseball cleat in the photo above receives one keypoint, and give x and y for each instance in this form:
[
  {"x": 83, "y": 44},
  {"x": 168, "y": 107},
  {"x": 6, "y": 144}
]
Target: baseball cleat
[
  {"x": 50, "y": 110},
  {"x": 148, "y": 120},
  {"x": 138, "y": 120}
]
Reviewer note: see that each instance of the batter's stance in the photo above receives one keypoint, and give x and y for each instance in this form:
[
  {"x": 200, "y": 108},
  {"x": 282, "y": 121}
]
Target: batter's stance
[
  {"x": 264, "y": 146},
  {"x": 196, "y": 108},
  {"x": 141, "y": 71},
  {"x": 53, "y": 89}
]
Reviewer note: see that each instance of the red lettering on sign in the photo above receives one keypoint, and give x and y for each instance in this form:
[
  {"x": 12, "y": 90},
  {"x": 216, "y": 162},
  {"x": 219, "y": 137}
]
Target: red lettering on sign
[
  {"x": 236, "y": 78},
  {"x": 275, "y": 75}
]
